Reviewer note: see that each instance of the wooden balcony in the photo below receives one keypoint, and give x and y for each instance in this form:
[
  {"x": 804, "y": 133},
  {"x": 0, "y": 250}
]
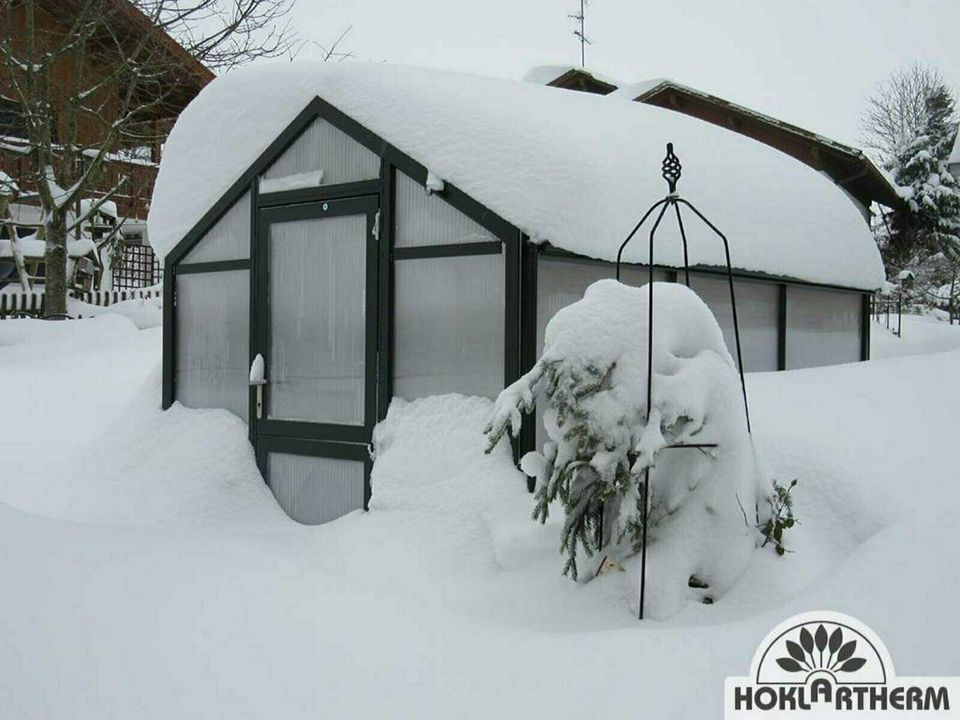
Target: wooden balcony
[{"x": 133, "y": 197}]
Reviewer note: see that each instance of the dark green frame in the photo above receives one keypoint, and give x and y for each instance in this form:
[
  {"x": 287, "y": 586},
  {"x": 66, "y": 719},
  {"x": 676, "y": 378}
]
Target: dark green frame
[
  {"x": 368, "y": 206},
  {"x": 520, "y": 263}
]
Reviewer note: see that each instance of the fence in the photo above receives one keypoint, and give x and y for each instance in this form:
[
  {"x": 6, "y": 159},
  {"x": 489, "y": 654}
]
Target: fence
[
  {"x": 140, "y": 268},
  {"x": 885, "y": 311},
  {"x": 32, "y": 304}
]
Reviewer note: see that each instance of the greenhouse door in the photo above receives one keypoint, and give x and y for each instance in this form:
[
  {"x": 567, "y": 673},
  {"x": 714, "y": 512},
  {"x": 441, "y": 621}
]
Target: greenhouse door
[{"x": 314, "y": 393}]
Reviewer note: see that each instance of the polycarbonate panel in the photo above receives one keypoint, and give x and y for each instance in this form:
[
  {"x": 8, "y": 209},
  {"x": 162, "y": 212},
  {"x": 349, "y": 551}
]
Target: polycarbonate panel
[
  {"x": 449, "y": 326},
  {"x": 316, "y": 368},
  {"x": 758, "y": 312},
  {"x": 423, "y": 219},
  {"x": 212, "y": 344},
  {"x": 823, "y": 327},
  {"x": 314, "y": 490},
  {"x": 561, "y": 282},
  {"x": 228, "y": 239},
  {"x": 324, "y": 147}
]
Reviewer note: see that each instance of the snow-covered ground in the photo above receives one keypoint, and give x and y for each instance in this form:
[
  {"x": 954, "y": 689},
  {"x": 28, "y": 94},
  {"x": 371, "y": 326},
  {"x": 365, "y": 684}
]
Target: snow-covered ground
[{"x": 147, "y": 572}]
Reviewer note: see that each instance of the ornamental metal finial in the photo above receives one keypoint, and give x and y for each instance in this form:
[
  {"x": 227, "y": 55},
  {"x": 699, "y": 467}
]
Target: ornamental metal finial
[{"x": 671, "y": 169}]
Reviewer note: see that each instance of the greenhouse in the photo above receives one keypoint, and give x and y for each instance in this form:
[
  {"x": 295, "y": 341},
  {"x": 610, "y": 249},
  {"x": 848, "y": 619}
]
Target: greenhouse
[{"x": 339, "y": 236}]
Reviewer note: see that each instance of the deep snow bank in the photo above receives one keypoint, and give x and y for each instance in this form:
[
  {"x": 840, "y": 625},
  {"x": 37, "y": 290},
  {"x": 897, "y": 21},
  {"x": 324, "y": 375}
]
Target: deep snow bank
[
  {"x": 921, "y": 335},
  {"x": 82, "y": 435},
  {"x": 406, "y": 613},
  {"x": 430, "y": 459},
  {"x": 142, "y": 312}
]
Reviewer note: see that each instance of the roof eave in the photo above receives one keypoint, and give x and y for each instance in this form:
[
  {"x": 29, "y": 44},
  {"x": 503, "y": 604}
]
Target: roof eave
[{"x": 877, "y": 187}]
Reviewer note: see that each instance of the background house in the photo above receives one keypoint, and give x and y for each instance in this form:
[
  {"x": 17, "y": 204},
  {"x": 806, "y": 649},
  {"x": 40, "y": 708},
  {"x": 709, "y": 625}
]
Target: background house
[
  {"x": 954, "y": 161},
  {"x": 847, "y": 166},
  {"x": 136, "y": 160},
  {"x": 376, "y": 231}
]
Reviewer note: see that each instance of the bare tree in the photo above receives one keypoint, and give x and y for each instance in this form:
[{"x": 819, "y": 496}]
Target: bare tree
[
  {"x": 911, "y": 124},
  {"x": 897, "y": 110},
  {"x": 95, "y": 77},
  {"x": 333, "y": 52}
]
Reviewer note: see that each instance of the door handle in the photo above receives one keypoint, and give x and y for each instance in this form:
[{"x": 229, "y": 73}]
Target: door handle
[{"x": 257, "y": 379}]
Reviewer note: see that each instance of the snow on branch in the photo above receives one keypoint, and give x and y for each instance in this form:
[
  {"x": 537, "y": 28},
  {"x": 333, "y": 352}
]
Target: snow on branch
[{"x": 603, "y": 440}]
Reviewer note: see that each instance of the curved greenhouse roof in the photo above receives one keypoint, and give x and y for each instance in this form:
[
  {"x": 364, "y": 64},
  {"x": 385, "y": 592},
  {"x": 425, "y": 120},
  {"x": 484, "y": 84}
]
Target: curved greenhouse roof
[{"x": 572, "y": 169}]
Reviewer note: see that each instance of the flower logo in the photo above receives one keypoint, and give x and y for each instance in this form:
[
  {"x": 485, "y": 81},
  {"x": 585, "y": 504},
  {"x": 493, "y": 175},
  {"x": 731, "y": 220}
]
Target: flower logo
[{"x": 821, "y": 651}]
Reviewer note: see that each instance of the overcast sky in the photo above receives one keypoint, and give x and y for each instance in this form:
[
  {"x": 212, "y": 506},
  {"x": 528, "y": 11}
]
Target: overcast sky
[{"x": 811, "y": 62}]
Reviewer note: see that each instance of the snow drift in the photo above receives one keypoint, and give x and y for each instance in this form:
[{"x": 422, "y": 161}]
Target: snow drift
[{"x": 460, "y": 611}]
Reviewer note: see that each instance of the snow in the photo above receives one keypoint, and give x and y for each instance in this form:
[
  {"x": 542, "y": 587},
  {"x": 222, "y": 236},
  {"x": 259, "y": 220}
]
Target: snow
[
  {"x": 546, "y": 74},
  {"x": 8, "y": 186},
  {"x": 922, "y": 334},
  {"x": 33, "y": 248},
  {"x": 148, "y": 573},
  {"x": 569, "y": 168},
  {"x": 434, "y": 183},
  {"x": 296, "y": 181},
  {"x": 697, "y": 499},
  {"x": 142, "y": 312},
  {"x": 635, "y": 90},
  {"x": 257, "y": 371},
  {"x": 639, "y": 90},
  {"x": 106, "y": 207},
  {"x": 94, "y": 384}
]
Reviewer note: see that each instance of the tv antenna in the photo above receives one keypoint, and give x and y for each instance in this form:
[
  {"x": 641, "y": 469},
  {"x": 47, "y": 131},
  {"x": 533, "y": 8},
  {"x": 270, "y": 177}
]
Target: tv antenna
[{"x": 579, "y": 32}]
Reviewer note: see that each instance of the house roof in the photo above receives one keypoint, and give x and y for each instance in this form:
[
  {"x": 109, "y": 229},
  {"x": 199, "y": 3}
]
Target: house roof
[
  {"x": 184, "y": 75},
  {"x": 572, "y": 169},
  {"x": 955, "y": 153},
  {"x": 849, "y": 167},
  {"x": 570, "y": 77}
]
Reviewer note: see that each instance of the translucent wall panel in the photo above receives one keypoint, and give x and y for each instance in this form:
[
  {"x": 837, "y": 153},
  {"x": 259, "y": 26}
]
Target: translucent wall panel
[
  {"x": 315, "y": 490},
  {"x": 213, "y": 346},
  {"x": 317, "y": 320},
  {"x": 561, "y": 282},
  {"x": 228, "y": 239},
  {"x": 823, "y": 327},
  {"x": 758, "y": 312},
  {"x": 449, "y": 326},
  {"x": 427, "y": 220},
  {"x": 324, "y": 147}
]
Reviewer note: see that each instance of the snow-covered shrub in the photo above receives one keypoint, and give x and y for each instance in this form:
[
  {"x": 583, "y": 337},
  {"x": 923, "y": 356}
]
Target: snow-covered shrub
[
  {"x": 781, "y": 517},
  {"x": 593, "y": 377}
]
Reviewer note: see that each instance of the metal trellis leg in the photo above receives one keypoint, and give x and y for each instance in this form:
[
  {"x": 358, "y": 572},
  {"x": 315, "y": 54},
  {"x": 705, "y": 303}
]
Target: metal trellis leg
[{"x": 671, "y": 171}]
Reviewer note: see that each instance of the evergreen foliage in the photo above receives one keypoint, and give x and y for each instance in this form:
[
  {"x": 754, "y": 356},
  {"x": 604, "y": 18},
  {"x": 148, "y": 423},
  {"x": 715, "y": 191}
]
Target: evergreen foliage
[
  {"x": 604, "y": 441},
  {"x": 591, "y": 472},
  {"x": 781, "y": 516},
  {"x": 920, "y": 243}
]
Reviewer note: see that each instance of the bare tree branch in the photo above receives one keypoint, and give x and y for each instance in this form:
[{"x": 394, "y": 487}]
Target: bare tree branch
[
  {"x": 897, "y": 110},
  {"x": 96, "y": 78},
  {"x": 332, "y": 53}
]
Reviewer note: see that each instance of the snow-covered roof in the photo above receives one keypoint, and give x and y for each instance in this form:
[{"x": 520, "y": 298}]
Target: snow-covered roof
[
  {"x": 8, "y": 186},
  {"x": 955, "y": 153},
  {"x": 33, "y": 248},
  {"x": 879, "y": 186},
  {"x": 573, "y": 169},
  {"x": 546, "y": 74},
  {"x": 645, "y": 88}
]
